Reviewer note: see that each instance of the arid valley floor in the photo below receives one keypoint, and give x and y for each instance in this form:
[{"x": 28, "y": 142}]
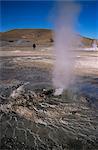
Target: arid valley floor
[{"x": 32, "y": 118}]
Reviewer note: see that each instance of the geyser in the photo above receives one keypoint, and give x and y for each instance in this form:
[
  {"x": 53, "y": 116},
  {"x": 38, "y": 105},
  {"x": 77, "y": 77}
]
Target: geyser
[
  {"x": 65, "y": 43},
  {"x": 94, "y": 45}
]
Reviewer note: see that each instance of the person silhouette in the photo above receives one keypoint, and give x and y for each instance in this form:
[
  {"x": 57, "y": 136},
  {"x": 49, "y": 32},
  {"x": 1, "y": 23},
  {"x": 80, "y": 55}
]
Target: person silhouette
[{"x": 34, "y": 45}]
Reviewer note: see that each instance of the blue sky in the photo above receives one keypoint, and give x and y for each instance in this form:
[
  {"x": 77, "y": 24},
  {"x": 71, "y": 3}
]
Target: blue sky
[{"x": 36, "y": 14}]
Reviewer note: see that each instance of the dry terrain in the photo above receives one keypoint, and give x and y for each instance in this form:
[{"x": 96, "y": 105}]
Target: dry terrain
[{"x": 31, "y": 117}]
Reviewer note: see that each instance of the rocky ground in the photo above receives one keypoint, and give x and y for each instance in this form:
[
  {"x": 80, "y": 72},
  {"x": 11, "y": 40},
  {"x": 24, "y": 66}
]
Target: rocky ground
[{"x": 32, "y": 118}]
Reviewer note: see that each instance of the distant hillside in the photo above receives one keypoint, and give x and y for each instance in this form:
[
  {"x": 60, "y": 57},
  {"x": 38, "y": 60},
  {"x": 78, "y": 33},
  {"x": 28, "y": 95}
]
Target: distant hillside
[
  {"x": 26, "y": 37},
  {"x": 87, "y": 42},
  {"x": 39, "y": 36}
]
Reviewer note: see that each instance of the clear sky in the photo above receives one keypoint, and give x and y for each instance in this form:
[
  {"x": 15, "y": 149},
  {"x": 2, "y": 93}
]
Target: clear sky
[{"x": 36, "y": 14}]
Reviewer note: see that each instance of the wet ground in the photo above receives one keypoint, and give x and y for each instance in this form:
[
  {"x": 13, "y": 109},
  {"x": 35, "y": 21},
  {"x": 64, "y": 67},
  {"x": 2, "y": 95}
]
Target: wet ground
[{"x": 32, "y": 118}]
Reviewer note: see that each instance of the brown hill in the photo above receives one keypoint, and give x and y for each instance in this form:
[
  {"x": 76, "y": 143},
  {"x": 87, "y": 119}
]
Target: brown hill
[
  {"x": 87, "y": 42},
  {"x": 25, "y": 37},
  {"x": 39, "y": 36}
]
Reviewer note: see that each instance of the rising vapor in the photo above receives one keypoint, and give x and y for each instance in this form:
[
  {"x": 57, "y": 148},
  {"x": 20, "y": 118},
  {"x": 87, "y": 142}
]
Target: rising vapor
[{"x": 65, "y": 43}]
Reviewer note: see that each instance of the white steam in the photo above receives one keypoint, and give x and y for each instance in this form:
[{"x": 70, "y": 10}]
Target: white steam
[{"x": 65, "y": 43}]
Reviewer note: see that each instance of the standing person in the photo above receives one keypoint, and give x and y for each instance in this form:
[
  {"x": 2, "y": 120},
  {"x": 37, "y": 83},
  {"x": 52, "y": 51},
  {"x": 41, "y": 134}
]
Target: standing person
[{"x": 34, "y": 45}]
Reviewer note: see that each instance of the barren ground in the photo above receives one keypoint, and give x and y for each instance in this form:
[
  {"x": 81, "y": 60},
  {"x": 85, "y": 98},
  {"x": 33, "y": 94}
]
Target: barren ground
[{"x": 33, "y": 118}]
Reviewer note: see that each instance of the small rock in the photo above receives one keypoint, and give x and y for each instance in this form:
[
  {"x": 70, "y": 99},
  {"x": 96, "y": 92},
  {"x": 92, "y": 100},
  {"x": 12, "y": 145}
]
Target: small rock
[
  {"x": 20, "y": 90},
  {"x": 58, "y": 91},
  {"x": 48, "y": 92}
]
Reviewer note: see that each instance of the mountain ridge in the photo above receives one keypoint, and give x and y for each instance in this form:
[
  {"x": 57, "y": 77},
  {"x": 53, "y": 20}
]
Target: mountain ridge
[{"x": 39, "y": 36}]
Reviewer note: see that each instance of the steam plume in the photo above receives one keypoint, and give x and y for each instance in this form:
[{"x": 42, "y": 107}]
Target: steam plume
[{"x": 65, "y": 44}]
